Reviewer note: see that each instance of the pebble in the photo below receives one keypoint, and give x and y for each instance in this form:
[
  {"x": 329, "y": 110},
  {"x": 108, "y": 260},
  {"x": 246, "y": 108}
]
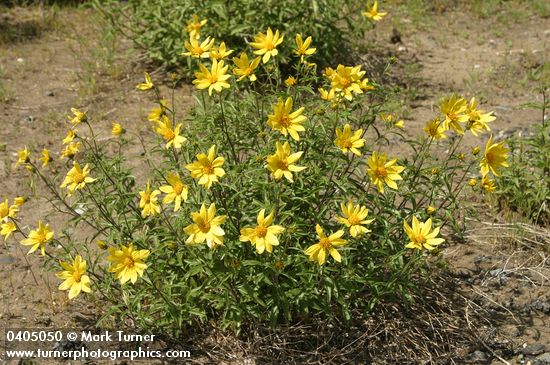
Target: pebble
[
  {"x": 544, "y": 357},
  {"x": 20, "y": 60},
  {"x": 49, "y": 93},
  {"x": 541, "y": 306},
  {"x": 482, "y": 258},
  {"x": 6, "y": 260},
  {"x": 534, "y": 349},
  {"x": 478, "y": 357}
]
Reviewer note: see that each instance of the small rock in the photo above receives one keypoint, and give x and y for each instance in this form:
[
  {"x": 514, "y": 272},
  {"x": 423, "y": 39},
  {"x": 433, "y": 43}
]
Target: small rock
[
  {"x": 478, "y": 357},
  {"x": 20, "y": 60},
  {"x": 6, "y": 260},
  {"x": 496, "y": 272},
  {"x": 544, "y": 357},
  {"x": 482, "y": 258},
  {"x": 49, "y": 93},
  {"x": 541, "y": 306},
  {"x": 492, "y": 42},
  {"x": 401, "y": 49},
  {"x": 463, "y": 273},
  {"x": 534, "y": 349},
  {"x": 477, "y": 66}
]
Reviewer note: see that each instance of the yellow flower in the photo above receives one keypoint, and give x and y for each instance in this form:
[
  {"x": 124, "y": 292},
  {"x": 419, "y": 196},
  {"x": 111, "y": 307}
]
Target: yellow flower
[
  {"x": 147, "y": 85},
  {"x": 23, "y": 156},
  {"x": 70, "y": 136},
  {"x": 435, "y": 129},
  {"x": 266, "y": 44},
  {"x": 197, "y": 50},
  {"x": 494, "y": 158},
  {"x": 7, "y": 228},
  {"x": 164, "y": 128},
  {"x": 302, "y": 47},
  {"x": 392, "y": 120},
  {"x": 71, "y": 149},
  {"x": 329, "y": 73},
  {"x": 487, "y": 184},
  {"x": 365, "y": 86},
  {"x": 207, "y": 168},
  {"x": 46, "y": 158},
  {"x": 476, "y": 150},
  {"x": 477, "y": 119},
  {"x": 74, "y": 275},
  {"x": 7, "y": 211},
  {"x": 206, "y": 227},
  {"x": 347, "y": 140},
  {"x": 373, "y": 13},
  {"x": 290, "y": 81},
  {"x": 354, "y": 216},
  {"x": 127, "y": 263},
  {"x": 175, "y": 191},
  {"x": 117, "y": 130},
  {"x": 20, "y": 200},
  {"x": 454, "y": 109},
  {"x": 194, "y": 26},
  {"x": 156, "y": 113},
  {"x": 327, "y": 95},
  {"x": 347, "y": 80},
  {"x": 264, "y": 235},
  {"x": 78, "y": 117},
  {"x": 38, "y": 238},
  {"x": 326, "y": 245},
  {"x": 282, "y": 162},
  {"x": 421, "y": 234},
  {"x": 215, "y": 79},
  {"x": 286, "y": 121},
  {"x": 148, "y": 202},
  {"x": 77, "y": 178},
  {"x": 430, "y": 209},
  {"x": 382, "y": 172},
  {"x": 472, "y": 182},
  {"x": 245, "y": 68},
  {"x": 221, "y": 52}
]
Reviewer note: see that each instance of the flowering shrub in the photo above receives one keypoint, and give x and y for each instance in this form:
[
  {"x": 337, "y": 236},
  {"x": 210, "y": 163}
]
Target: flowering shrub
[
  {"x": 269, "y": 201},
  {"x": 165, "y": 29}
]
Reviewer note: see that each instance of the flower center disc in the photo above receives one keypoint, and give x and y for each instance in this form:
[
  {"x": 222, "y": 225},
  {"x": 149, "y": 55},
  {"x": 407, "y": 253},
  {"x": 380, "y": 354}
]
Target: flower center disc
[
  {"x": 325, "y": 243},
  {"x": 353, "y": 220},
  {"x": 381, "y": 171},
  {"x": 204, "y": 226},
  {"x": 129, "y": 262},
  {"x": 261, "y": 231}
]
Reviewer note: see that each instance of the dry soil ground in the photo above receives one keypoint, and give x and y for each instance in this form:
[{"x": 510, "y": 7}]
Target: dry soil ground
[{"x": 50, "y": 62}]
